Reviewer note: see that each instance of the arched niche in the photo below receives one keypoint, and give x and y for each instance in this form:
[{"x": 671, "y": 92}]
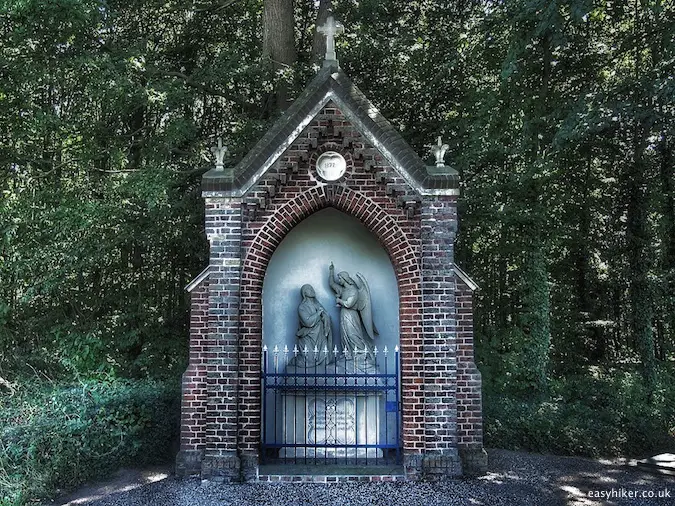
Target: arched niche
[{"x": 304, "y": 255}]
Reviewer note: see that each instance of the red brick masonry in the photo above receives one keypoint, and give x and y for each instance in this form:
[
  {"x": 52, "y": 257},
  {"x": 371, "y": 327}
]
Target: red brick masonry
[{"x": 441, "y": 392}]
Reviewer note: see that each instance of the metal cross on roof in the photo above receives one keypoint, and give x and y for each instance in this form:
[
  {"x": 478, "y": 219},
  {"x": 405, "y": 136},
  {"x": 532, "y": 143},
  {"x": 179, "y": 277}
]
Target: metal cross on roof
[{"x": 330, "y": 29}]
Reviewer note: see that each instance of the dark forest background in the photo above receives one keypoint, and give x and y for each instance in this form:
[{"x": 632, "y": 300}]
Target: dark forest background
[{"x": 560, "y": 119}]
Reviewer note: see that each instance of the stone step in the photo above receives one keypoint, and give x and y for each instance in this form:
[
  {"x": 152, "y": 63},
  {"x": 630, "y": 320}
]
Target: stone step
[{"x": 329, "y": 473}]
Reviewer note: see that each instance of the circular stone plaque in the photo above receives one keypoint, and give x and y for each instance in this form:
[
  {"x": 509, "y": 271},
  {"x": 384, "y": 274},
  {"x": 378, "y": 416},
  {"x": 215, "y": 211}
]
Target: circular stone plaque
[{"x": 331, "y": 166}]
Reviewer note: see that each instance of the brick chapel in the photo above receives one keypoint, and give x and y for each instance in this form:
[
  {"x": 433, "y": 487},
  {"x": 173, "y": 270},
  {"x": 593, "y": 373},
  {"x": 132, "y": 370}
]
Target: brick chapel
[{"x": 332, "y": 180}]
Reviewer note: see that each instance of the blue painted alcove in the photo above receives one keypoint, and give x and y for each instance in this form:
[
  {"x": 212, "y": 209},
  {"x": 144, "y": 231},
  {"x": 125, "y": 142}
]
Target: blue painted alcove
[{"x": 304, "y": 255}]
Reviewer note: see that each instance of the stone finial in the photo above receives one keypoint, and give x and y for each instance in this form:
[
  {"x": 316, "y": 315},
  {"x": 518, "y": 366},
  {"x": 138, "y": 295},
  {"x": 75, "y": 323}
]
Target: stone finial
[
  {"x": 439, "y": 150},
  {"x": 330, "y": 29},
  {"x": 219, "y": 152}
]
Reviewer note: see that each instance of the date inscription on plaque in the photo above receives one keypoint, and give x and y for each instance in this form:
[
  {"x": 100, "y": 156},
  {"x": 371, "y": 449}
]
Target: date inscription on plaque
[{"x": 331, "y": 166}]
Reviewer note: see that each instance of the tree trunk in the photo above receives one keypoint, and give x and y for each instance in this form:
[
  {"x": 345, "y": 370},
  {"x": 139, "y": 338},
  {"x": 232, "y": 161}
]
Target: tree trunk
[
  {"x": 536, "y": 319},
  {"x": 637, "y": 232},
  {"x": 319, "y": 45},
  {"x": 668, "y": 248},
  {"x": 279, "y": 42},
  {"x": 536, "y": 296},
  {"x": 502, "y": 317},
  {"x": 638, "y": 257},
  {"x": 586, "y": 307}
]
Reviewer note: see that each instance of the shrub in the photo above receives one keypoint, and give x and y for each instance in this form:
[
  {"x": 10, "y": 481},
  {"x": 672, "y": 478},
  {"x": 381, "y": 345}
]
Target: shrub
[
  {"x": 597, "y": 414},
  {"x": 55, "y": 438}
]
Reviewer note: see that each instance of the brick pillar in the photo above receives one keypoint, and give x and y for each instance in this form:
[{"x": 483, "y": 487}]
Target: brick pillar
[
  {"x": 223, "y": 229},
  {"x": 438, "y": 229},
  {"x": 469, "y": 401},
  {"x": 194, "y": 390}
]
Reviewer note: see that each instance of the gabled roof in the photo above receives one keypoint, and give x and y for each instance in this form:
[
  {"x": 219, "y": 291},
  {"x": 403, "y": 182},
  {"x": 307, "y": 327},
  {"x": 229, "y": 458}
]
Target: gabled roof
[{"x": 331, "y": 83}]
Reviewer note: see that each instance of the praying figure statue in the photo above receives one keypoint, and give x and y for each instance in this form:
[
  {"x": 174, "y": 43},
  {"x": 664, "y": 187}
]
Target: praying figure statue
[
  {"x": 315, "y": 334},
  {"x": 357, "y": 330}
]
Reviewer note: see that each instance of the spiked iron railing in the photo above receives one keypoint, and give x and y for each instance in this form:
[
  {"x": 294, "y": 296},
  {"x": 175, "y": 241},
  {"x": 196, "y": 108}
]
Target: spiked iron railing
[{"x": 344, "y": 411}]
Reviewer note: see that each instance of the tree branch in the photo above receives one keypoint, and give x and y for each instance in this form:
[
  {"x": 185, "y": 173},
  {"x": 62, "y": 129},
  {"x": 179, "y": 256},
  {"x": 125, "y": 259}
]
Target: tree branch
[
  {"x": 6, "y": 384},
  {"x": 189, "y": 81}
]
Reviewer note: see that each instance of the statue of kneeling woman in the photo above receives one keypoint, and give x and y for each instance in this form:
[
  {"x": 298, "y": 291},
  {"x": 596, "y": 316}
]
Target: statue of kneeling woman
[{"x": 315, "y": 332}]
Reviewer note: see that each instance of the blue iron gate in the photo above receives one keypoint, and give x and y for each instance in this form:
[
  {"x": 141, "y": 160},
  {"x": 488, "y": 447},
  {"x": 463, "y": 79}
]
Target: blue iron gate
[{"x": 343, "y": 411}]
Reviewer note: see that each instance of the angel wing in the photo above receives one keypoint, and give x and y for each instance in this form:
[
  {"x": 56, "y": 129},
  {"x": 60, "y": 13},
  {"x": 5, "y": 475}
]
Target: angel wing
[{"x": 364, "y": 306}]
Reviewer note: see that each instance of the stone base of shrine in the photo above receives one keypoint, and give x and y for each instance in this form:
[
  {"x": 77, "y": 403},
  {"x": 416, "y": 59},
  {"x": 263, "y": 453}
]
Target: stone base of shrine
[
  {"x": 474, "y": 461},
  {"x": 189, "y": 462},
  {"x": 225, "y": 467},
  {"x": 330, "y": 453},
  {"x": 434, "y": 466}
]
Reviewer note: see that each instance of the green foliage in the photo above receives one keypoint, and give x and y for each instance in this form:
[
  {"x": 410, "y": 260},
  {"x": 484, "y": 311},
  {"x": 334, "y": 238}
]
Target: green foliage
[
  {"x": 558, "y": 115},
  {"x": 503, "y": 365},
  {"x": 560, "y": 120},
  {"x": 564, "y": 127},
  {"x": 601, "y": 413},
  {"x": 53, "y": 438}
]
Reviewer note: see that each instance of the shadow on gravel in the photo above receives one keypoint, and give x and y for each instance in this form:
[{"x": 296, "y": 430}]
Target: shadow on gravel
[
  {"x": 579, "y": 481},
  {"x": 124, "y": 480},
  {"x": 514, "y": 479}
]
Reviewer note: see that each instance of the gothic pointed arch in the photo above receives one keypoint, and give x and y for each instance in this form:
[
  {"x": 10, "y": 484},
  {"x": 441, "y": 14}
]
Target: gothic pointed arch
[{"x": 404, "y": 258}]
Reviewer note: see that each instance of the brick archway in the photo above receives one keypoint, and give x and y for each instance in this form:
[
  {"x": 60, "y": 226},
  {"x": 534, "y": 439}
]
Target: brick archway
[{"x": 404, "y": 259}]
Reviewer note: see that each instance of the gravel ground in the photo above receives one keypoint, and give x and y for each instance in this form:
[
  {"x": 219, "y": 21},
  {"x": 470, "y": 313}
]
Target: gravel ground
[{"x": 514, "y": 479}]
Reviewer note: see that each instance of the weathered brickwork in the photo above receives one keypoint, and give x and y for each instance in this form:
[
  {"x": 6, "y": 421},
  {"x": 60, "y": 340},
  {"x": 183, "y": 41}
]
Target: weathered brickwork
[
  {"x": 194, "y": 400},
  {"x": 469, "y": 400},
  {"x": 439, "y": 414},
  {"x": 223, "y": 229},
  {"x": 438, "y": 227},
  {"x": 324, "y": 478}
]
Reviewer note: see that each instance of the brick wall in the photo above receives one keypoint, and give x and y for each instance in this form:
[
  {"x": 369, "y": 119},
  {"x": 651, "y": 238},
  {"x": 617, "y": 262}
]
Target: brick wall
[
  {"x": 438, "y": 227},
  {"x": 469, "y": 403},
  {"x": 418, "y": 235},
  {"x": 223, "y": 229},
  {"x": 469, "y": 400},
  {"x": 194, "y": 399}
]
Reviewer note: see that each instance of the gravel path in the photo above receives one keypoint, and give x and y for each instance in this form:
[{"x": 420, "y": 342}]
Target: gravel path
[{"x": 515, "y": 479}]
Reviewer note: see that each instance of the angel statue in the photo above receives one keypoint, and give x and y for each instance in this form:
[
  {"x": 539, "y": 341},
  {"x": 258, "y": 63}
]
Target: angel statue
[
  {"x": 315, "y": 334},
  {"x": 357, "y": 330}
]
